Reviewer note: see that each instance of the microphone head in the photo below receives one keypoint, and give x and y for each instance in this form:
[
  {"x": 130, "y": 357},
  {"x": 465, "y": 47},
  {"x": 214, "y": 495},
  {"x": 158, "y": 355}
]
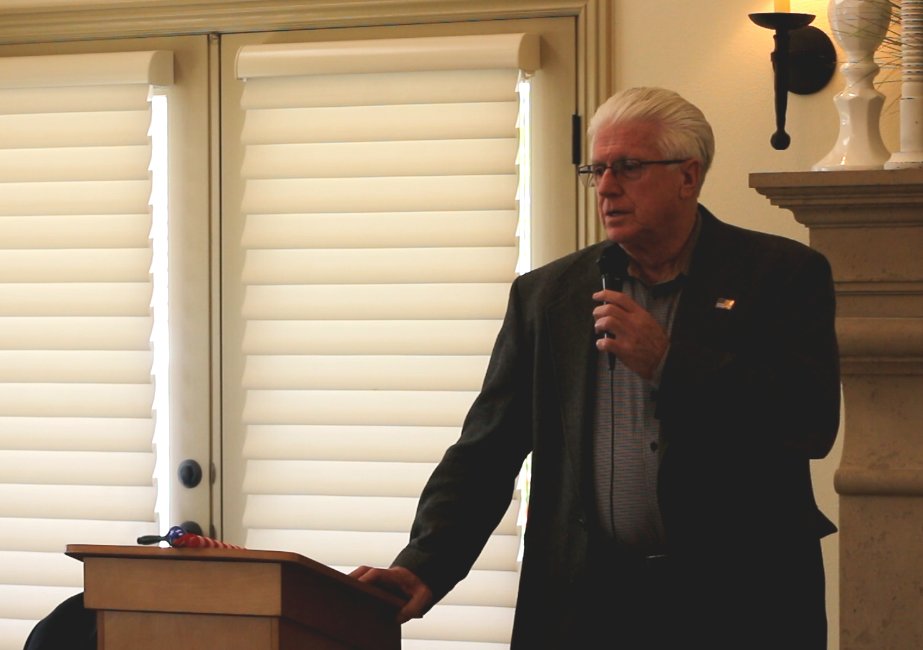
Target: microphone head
[
  {"x": 613, "y": 262},
  {"x": 613, "y": 267}
]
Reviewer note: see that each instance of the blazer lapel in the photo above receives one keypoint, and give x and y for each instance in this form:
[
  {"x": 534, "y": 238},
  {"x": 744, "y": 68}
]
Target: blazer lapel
[
  {"x": 570, "y": 323},
  {"x": 711, "y": 280}
]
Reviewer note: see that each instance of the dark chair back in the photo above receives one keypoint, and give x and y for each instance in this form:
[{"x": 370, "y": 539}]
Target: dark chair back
[{"x": 68, "y": 627}]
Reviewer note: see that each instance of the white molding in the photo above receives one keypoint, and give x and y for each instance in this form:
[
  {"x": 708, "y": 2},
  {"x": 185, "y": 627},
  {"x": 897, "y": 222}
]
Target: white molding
[{"x": 22, "y": 21}]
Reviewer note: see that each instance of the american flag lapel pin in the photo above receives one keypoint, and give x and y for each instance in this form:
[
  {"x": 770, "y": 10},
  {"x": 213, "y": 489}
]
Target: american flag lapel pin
[{"x": 727, "y": 304}]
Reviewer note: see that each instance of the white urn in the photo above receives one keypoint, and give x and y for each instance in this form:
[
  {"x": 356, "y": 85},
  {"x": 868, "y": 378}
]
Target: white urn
[{"x": 859, "y": 26}]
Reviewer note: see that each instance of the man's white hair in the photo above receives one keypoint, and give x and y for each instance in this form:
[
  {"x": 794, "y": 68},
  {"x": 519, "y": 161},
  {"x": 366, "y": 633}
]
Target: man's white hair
[{"x": 684, "y": 132}]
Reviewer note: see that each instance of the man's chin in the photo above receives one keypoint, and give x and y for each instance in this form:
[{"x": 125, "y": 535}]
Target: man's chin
[{"x": 617, "y": 233}]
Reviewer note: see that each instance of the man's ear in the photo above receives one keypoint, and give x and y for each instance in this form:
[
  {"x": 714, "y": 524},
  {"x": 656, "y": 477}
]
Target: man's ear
[{"x": 692, "y": 178}]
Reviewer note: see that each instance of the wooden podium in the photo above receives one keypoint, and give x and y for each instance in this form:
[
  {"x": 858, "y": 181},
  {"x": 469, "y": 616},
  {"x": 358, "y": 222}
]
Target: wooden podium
[{"x": 220, "y": 599}]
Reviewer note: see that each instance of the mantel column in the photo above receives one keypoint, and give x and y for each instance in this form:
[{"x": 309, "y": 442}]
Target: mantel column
[{"x": 869, "y": 224}]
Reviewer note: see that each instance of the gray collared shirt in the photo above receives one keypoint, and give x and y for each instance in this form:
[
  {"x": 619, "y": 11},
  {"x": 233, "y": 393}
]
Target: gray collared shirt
[{"x": 626, "y": 435}]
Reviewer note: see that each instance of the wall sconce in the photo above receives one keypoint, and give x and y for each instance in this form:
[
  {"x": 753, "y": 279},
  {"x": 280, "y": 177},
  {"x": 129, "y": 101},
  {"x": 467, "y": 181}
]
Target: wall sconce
[{"x": 803, "y": 61}]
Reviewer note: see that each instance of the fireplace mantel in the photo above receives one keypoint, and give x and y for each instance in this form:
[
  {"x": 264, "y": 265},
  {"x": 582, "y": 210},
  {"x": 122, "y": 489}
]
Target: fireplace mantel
[{"x": 869, "y": 224}]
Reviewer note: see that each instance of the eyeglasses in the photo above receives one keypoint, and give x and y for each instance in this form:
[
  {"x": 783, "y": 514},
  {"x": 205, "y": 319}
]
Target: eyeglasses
[{"x": 623, "y": 168}]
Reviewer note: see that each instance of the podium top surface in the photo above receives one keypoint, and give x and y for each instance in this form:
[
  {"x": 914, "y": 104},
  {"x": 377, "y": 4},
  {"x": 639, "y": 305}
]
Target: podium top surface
[{"x": 83, "y": 552}]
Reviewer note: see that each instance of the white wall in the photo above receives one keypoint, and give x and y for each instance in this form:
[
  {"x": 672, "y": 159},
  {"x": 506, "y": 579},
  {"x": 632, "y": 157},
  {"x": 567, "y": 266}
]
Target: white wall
[{"x": 711, "y": 53}]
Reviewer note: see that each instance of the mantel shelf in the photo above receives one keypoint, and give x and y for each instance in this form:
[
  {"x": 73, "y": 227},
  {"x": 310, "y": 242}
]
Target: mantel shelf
[{"x": 873, "y": 198}]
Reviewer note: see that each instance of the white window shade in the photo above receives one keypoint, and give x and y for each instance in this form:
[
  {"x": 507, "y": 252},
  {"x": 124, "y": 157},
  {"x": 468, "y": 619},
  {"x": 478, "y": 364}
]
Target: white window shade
[
  {"x": 87, "y": 71},
  {"x": 367, "y": 273},
  {"x": 76, "y": 418},
  {"x": 471, "y": 52}
]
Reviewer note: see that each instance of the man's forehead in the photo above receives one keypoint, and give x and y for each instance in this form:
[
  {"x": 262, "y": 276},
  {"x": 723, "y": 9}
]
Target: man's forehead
[{"x": 625, "y": 140}]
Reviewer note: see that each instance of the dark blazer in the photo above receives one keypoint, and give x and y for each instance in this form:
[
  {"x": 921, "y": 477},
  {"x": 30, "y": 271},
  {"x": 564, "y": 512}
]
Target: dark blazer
[{"x": 747, "y": 397}]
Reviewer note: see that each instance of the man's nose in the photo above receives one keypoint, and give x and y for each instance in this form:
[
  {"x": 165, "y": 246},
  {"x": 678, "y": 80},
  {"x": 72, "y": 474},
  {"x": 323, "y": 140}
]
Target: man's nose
[{"x": 609, "y": 183}]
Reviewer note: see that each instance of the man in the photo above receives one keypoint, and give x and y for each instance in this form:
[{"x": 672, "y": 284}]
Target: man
[{"x": 671, "y": 422}]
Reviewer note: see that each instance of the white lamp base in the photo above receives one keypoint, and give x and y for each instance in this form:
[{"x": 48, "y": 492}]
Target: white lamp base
[
  {"x": 911, "y": 153},
  {"x": 859, "y": 144},
  {"x": 860, "y": 27}
]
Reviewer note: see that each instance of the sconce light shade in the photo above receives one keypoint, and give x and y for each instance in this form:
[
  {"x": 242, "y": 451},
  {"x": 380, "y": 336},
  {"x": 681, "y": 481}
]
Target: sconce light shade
[{"x": 803, "y": 62}]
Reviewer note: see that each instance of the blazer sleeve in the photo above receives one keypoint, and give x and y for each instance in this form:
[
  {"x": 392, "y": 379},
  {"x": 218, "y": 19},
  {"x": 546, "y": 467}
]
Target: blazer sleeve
[{"x": 472, "y": 486}]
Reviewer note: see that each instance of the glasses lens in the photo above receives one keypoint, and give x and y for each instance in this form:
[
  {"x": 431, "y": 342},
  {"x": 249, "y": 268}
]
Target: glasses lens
[
  {"x": 622, "y": 169},
  {"x": 630, "y": 169},
  {"x": 587, "y": 175}
]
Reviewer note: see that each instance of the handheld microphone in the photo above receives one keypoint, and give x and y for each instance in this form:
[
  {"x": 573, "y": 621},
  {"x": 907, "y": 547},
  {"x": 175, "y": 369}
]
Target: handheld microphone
[{"x": 613, "y": 267}]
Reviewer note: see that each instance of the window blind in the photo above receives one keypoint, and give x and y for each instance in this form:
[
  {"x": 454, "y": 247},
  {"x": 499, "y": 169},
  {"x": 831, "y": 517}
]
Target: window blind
[
  {"x": 367, "y": 275},
  {"x": 76, "y": 391}
]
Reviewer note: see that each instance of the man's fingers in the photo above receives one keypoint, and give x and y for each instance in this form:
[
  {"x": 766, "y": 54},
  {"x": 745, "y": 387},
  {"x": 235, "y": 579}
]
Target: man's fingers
[
  {"x": 401, "y": 582},
  {"x": 360, "y": 571}
]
